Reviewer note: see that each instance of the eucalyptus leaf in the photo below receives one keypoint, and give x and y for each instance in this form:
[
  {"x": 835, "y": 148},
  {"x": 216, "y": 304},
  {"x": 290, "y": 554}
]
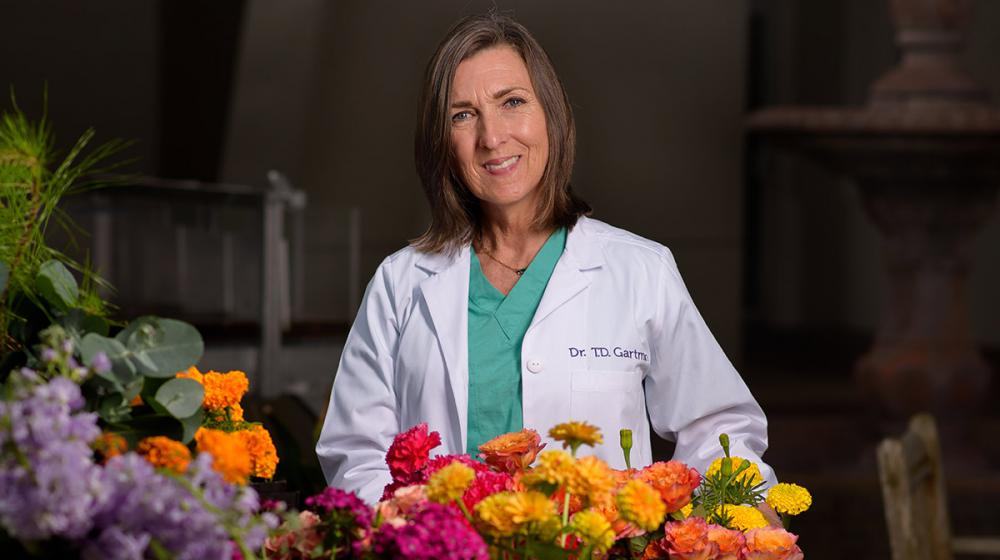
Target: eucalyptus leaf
[
  {"x": 191, "y": 424},
  {"x": 112, "y": 408},
  {"x": 163, "y": 347},
  {"x": 4, "y": 274},
  {"x": 139, "y": 427},
  {"x": 121, "y": 363},
  {"x": 82, "y": 323},
  {"x": 181, "y": 397},
  {"x": 56, "y": 284}
]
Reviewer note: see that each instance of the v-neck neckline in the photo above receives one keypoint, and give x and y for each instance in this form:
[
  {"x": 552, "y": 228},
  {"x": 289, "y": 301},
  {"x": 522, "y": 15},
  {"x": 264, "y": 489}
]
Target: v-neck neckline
[{"x": 536, "y": 275}]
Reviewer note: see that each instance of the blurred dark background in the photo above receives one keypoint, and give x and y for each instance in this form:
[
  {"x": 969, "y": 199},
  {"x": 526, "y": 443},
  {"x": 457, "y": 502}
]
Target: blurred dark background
[{"x": 776, "y": 250}]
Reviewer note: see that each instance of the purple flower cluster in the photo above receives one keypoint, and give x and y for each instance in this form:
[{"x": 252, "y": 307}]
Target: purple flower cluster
[
  {"x": 50, "y": 486},
  {"x": 336, "y": 499},
  {"x": 435, "y": 532},
  {"x": 144, "y": 505}
]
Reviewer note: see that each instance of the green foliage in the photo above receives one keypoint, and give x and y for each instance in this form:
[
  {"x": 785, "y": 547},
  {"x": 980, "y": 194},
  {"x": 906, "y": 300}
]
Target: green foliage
[
  {"x": 726, "y": 486},
  {"x": 37, "y": 278}
]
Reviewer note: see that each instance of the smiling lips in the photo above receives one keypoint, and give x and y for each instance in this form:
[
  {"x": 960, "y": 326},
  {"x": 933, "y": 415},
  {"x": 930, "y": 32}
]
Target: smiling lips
[{"x": 501, "y": 166}]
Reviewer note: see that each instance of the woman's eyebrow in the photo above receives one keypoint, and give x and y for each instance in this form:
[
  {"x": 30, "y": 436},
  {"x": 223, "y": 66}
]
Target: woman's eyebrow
[{"x": 500, "y": 93}]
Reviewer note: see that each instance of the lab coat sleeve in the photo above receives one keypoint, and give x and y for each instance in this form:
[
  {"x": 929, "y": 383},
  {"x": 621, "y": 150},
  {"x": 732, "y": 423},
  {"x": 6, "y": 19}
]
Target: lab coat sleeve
[
  {"x": 693, "y": 392},
  {"x": 361, "y": 420}
]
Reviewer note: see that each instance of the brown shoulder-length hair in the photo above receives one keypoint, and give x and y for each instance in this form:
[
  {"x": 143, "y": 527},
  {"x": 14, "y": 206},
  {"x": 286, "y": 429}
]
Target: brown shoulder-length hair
[{"x": 455, "y": 212}]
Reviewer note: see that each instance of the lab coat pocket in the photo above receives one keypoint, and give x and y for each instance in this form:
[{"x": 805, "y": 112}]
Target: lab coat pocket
[{"x": 611, "y": 400}]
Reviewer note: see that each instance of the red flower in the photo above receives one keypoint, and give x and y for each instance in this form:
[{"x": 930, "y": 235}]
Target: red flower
[
  {"x": 409, "y": 453},
  {"x": 486, "y": 484}
]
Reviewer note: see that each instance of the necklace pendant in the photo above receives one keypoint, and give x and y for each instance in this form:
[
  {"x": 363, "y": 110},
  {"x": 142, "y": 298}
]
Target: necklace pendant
[{"x": 520, "y": 271}]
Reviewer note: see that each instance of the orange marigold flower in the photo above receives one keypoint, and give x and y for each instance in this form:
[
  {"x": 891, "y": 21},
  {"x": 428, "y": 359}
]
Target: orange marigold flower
[
  {"x": 236, "y": 413},
  {"x": 229, "y": 454},
  {"x": 674, "y": 480},
  {"x": 136, "y": 401},
  {"x": 191, "y": 373},
  {"x": 688, "y": 540},
  {"x": 109, "y": 444},
  {"x": 512, "y": 452},
  {"x": 263, "y": 455},
  {"x": 221, "y": 389},
  {"x": 593, "y": 479},
  {"x": 771, "y": 543},
  {"x": 640, "y": 504},
  {"x": 729, "y": 541},
  {"x": 165, "y": 453}
]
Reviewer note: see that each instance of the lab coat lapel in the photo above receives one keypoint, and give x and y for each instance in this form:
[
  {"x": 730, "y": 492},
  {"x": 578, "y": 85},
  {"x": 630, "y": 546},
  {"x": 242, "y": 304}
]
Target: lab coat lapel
[
  {"x": 446, "y": 293},
  {"x": 570, "y": 277}
]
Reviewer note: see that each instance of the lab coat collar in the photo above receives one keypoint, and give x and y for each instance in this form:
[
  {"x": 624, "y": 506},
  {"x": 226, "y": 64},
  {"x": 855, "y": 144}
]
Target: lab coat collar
[{"x": 446, "y": 293}]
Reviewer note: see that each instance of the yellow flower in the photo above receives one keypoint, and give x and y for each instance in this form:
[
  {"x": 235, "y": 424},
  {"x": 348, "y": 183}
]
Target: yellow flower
[
  {"x": 495, "y": 513},
  {"x": 743, "y": 517},
  {"x": 229, "y": 454},
  {"x": 526, "y": 513},
  {"x": 640, "y": 504},
  {"x": 573, "y": 434},
  {"x": 449, "y": 483},
  {"x": 593, "y": 529},
  {"x": 165, "y": 453},
  {"x": 554, "y": 467},
  {"x": 592, "y": 479},
  {"x": 686, "y": 510},
  {"x": 260, "y": 448},
  {"x": 790, "y": 499},
  {"x": 221, "y": 389},
  {"x": 753, "y": 471}
]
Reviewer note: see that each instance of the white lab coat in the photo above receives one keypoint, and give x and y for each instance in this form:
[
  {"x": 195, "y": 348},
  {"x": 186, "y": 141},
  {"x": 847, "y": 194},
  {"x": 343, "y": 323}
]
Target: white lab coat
[{"x": 615, "y": 339}]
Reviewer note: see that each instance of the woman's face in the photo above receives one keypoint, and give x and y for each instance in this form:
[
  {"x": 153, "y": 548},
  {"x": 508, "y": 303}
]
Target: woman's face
[{"x": 498, "y": 133}]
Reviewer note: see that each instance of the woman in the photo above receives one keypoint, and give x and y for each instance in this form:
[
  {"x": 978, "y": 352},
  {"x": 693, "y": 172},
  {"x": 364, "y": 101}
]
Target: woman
[{"x": 514, "y": 309}]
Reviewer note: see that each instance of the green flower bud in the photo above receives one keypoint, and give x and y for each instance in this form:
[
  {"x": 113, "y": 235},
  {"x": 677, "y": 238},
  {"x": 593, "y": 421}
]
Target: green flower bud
[
  {"x": 724, "y": 440},
  {"x": 626, "y": 443}
]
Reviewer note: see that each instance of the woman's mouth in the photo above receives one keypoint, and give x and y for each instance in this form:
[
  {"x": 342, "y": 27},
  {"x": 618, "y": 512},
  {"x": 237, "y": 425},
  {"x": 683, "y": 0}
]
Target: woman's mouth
[{"x": 501, "y": 165}]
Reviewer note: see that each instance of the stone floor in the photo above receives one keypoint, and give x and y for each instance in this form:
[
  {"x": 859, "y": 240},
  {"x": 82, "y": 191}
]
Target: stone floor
[{"x": 822, "y": 434}]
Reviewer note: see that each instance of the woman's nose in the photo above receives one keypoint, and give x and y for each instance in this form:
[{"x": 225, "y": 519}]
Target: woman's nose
[{"x": 492, "y": 131}]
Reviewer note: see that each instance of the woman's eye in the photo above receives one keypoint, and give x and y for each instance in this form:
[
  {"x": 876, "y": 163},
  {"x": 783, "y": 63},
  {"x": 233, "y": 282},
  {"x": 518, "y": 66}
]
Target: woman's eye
[
  {"x": 514, "y": 102},
  {"x": 461, "y": 116}
]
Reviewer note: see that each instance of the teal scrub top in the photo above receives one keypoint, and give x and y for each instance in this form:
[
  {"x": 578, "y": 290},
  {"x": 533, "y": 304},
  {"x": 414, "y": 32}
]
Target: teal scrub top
[{"x": 497, "y": 324}]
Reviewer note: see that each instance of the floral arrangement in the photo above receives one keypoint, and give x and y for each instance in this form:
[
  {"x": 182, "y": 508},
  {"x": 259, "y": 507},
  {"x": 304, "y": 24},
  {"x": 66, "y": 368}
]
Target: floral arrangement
[
  {"x": 522, "y": 501},
  {"x": 67, "y": 489}
]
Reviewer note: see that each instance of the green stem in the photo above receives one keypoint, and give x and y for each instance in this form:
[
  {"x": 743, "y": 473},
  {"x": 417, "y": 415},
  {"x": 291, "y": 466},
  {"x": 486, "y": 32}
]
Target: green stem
[
  {"x": 565, "y": 517},
  {"x": 465, "y": 511}
]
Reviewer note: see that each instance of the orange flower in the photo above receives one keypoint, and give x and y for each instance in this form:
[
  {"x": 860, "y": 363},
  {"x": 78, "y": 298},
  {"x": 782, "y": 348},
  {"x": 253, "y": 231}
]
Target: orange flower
[
  {"x": 221, "y": 389},
  {"x": 136, "y": 401},
  {"x": 640, "y": 504},
  {"x": 512, "y": 452},
  {"x": 165, "y": 453},
  {"x": 729, "y": 541},
  {"x": 109, "y": 444},
  {"x": 229, "y": 454},
  {"x": 674, "y": 480},
  {"x": 688, "y": 540},
  {"x": 263, "y": 455},
  {"x": 771, "y": 543},
  {"x": 592, "y": 479}
]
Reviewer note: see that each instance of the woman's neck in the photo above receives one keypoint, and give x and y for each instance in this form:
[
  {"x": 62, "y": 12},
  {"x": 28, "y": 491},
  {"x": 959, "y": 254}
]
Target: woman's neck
[{"x": 516, "y": 237}]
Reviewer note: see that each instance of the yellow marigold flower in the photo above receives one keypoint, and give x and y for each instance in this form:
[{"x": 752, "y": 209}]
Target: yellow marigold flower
[
  {"x": 505, "y": 513},
  {"x": 573, "y": 434},
  {"x": 229, "y": 454},
  {"x": 743, "y": 517},
  {"x": 592, "y": 479},
  {"x": 753, "y": 471},
  {"x": 165, "y": 453},
  {"x": 790, "y": 499},
  {"x": 593, "y": 529},
  {"x": 449, "y": 483},
  {"x": 554, "y": 467},
  {"x": 109, "y": 444},
  {"x": 263, "y": 455},
  {"x": 686, "y": 510},
  {"x": 640, "y": 504}
]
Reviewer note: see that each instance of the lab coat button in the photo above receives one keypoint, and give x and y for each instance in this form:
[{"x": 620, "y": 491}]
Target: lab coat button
[{"x": 535, "y": 366}]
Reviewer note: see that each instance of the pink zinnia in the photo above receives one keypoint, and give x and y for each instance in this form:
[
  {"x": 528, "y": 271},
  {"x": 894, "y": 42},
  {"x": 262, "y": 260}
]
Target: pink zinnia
[{"x": 486, "y": 484}]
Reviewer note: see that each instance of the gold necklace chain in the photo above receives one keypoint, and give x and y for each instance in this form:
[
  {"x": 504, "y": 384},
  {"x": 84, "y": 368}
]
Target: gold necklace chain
[{"x": 518, "y": 271}]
